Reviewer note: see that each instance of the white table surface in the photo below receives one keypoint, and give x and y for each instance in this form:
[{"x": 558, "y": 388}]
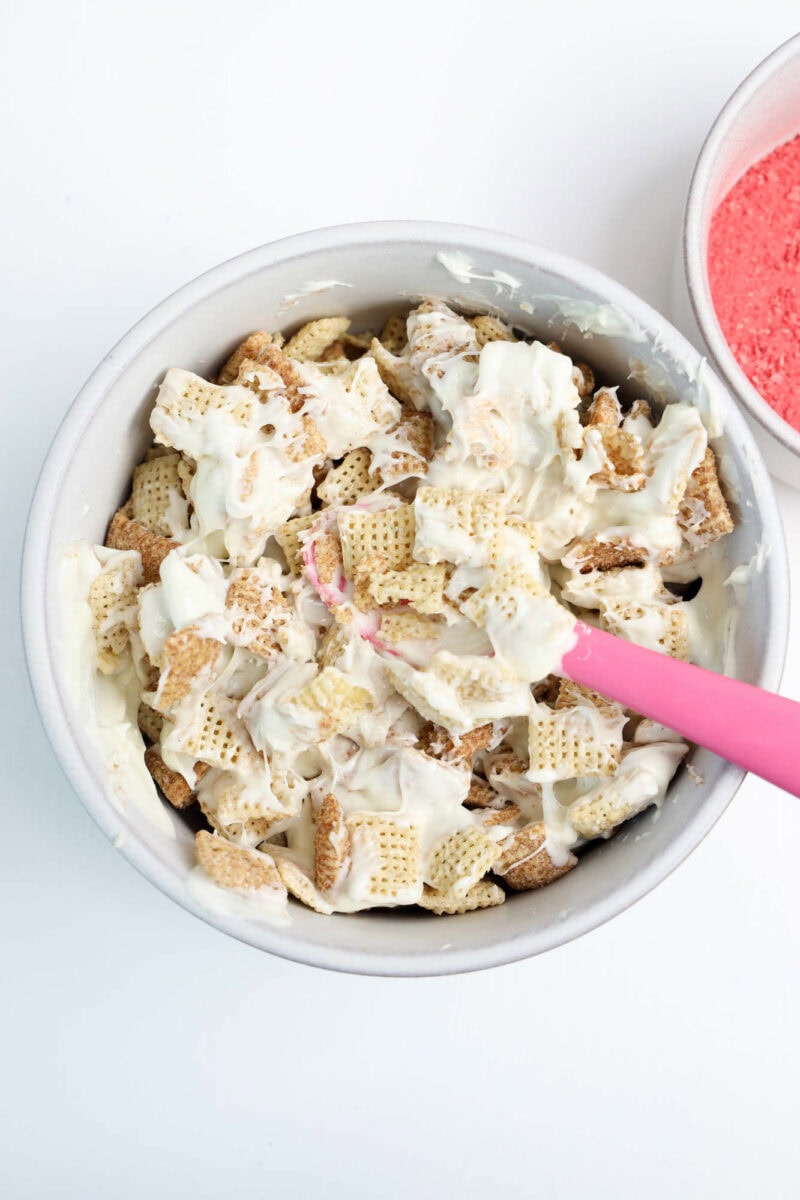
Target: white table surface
[{"x": 145, "y": 1054}]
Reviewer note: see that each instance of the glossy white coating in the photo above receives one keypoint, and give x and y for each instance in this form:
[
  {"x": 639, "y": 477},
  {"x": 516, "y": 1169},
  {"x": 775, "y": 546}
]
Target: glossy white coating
[{"x": 384, "y": 263}]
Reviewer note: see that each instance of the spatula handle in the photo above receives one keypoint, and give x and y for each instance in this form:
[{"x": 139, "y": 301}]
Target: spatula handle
[{"x": 755, "y": 729}]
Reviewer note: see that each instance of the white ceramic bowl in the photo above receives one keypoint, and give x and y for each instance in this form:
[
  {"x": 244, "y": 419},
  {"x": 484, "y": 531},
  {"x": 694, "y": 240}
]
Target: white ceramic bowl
[
  {"x": 762, "y": 114},
  {"x": 106, "y": 431}
]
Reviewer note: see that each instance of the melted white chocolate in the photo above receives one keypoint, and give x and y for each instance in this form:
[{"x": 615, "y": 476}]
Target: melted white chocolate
[{"x": 506, "y": 422}]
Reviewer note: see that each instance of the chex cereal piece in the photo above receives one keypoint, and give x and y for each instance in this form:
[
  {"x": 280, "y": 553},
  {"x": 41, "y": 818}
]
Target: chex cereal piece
[
  {"x": 638, "y": 622},
  {"x": 583, "y": 378},
  {"x": 237, "y": 825},
  {"x": 250, "y": 831},
  {"x": 187, "y": 398},
  {"x": 125, "y": 534},
  {"x": 510, "y": 814},
  {"x": 356, "y": 344},
  {"x": 483, "y": 894},
  {"x": 328, "y": 556},
  {"x": 389, "y": 532},
  {"x": 309, "y": 442},
  {"x": 394, "y": 335},
  {"x": 257, "y": 821},
  {"x": 333, "y": 645},
  {"x": 186, "y": 470},
  {"x": 297, "y": 882},
  {"x": 273, "y": 359},
  {"x": 418, "y": 584},
  {"x": 368, "y": 401},
  {"x": 150, "y": 673},
  {"x": 605, "y": 410},
  {"x": 336, "y": 701},
  {"x": 187, "y": 661},
  {"x": 216, "y": 735},
  {"x": 158, "y": 500},
  {"x": 525, "y": 529},
  {"x": 460, "y": 691},
  {"x": 514, "y": 608},
  {"x": 572, "y": 742},
  {"x": 525, "y": 861},
  {"x": 438, "y": 743},
  {"x": 597, "y": 589},
  {"x": 571, "y": 694},
  {"x": 112, "y": 599},
  {"x": 348, "y": 482},
  {"x": 436, "y": 332},
  {"x": 335, "y": 353},
  {"x": 250, "y": 349},
  {"x": 414, "y": 437},
  {"x": 308, "y": 344},
  {"x": 149, "y": 722},
  {"x": 173, "y": 785},
  {"x": 259, "y": 610},
  {"x": 508, "y": 776},
  {"x": 604, "y": 554},
  {"x": 331, "y": 844},
  {"x": 409, "y": 626},
  {"x": 236, "y": 866},
  {"x": 704, "y": 515},
  {"x": 249, "y": 477},
  {"x": 368, "y": 568},
  {"x": 288, "y": 788},
  {"x": 397, "y": 374},
  {"x": 622, "y": 450},
  {"x": 459, "y": 860},
  {"x": 456, "y": 526},
  {"x": 333, "y": 368},
  {"x": 603, "y": 809},
  {"x": 490, "y": 329},
  {"x": 508, "y": 587},
  {"x": 481, "y": 794},
  {"x": 648, "y": 731},
  {"x": 623, "y": 469},
  {"x": 639, "y": 420},
  {"x": 547, "y": 690},
  {"x": 391, "y": 849},
  {"x": 640, "y": 410},
  {"x": 643, "y": 779},
  {"x": 288, "y": 537},
  {"x": 237, "y": 800}
]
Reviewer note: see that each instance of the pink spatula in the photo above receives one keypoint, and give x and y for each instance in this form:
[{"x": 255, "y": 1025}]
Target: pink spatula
[{"x": 755, "y": 729}]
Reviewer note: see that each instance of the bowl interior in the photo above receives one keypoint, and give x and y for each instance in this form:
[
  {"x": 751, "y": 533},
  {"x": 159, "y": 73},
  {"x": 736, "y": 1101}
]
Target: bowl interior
[
  {"x": 386, "y": 268},
  {"x": 761, "y": 115},
  {"x": 768, "y": 116}
]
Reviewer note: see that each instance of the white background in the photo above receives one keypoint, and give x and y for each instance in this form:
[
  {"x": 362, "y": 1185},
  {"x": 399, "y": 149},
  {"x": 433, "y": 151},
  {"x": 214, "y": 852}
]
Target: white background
[{"x": 145, "y": 1054}]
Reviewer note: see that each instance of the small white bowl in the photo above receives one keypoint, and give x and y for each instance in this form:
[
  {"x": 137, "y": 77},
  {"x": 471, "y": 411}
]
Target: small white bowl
[
  {"x": 380, "y": 269},
  {"x": 762, "y": 114}
]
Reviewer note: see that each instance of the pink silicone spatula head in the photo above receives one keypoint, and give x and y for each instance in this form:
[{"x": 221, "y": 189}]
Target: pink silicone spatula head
[{"x": 755, "y": 729}]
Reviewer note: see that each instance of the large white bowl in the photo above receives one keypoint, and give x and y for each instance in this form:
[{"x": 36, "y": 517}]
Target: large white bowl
[
  {"x": 105, "y": 433},
  {"x": 762, "y": 114}
]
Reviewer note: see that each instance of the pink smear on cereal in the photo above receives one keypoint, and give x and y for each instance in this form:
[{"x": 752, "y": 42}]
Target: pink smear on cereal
[{"x": 366, "y": 625}]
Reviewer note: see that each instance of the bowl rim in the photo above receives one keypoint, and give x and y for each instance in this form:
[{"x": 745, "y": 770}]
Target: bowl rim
[
  {"x": 695, "y": 258},
  {"x": 55, "y": 713}
]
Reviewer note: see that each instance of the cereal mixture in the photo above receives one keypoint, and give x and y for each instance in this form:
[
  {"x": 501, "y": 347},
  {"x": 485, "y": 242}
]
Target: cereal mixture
[{"x": 342, "y": 587}]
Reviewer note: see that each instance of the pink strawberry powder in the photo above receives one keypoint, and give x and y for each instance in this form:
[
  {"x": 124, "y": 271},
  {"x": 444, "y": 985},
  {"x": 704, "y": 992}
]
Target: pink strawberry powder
[{"x": 754, "y": 270}]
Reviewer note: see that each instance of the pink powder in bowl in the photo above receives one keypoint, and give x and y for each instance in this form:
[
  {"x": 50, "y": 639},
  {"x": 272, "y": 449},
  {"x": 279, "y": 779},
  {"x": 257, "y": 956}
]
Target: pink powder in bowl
[{"x": 754, "y": 271}]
